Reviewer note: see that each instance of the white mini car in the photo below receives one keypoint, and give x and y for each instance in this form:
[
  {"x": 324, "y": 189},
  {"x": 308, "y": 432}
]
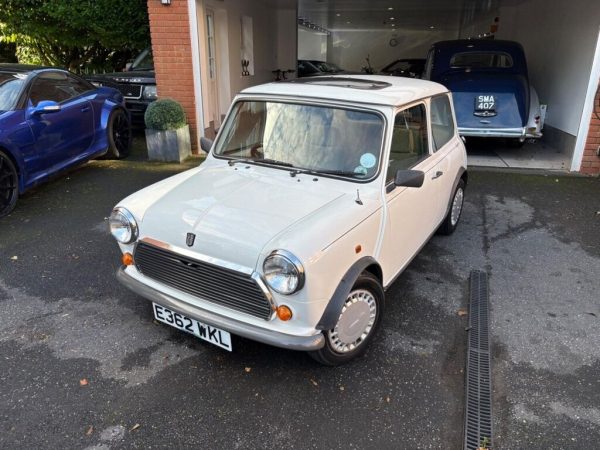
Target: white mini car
[{"x": 316, "y": 194}]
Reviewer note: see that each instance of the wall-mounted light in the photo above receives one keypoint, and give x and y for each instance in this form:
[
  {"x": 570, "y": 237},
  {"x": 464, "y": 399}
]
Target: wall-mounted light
[{"x": 165, "y": 2}]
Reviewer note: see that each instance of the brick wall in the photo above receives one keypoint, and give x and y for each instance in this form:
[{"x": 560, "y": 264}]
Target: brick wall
[
  {"x": 172, "y": 51},
  {"x": 590, "y": 163}
]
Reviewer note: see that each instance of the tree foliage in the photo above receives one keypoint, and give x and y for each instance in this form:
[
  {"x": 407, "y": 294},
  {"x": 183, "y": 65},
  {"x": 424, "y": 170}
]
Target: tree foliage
[{"x": 76, "y": 34}]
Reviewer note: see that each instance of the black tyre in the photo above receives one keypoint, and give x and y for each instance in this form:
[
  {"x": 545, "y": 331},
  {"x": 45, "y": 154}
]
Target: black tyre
[
  {"x": 456, "y": 206},
  {"x": 357, "y": 323},
  {"x": 9, "y": 185},
  {"x": 119, "y": 135},
  {"x": 516, "y": 143}
]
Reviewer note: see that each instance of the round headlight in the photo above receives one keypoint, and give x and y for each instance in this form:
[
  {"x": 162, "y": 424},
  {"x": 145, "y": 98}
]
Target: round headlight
[
  {"x": 123, "y": 226},
  {"x": 283, "y": 272}
]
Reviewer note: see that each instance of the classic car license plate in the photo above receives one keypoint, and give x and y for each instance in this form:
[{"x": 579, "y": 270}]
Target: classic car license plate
[
  {"x": 207, "y": 333},
  {"x": 485, "y": 103}
]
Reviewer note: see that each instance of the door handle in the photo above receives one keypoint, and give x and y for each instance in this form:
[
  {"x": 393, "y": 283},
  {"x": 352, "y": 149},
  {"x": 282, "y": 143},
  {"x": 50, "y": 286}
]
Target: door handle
[
  {"x": 438, "y": 174},
  {"x": 85, "y": 109}
]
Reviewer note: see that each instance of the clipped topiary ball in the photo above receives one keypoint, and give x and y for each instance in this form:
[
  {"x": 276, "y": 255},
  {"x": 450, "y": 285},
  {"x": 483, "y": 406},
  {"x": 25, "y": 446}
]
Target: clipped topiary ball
[{"x": 164, "y": 114}]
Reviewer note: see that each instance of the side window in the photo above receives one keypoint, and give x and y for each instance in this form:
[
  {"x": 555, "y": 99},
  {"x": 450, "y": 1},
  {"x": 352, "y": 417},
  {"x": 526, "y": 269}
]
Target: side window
[
  {"x": 56, "y": 86},
  {"x": 45, "y": 88},
  {"x": 442, "y": 122},
  {"x": 409, "y": 140},
  {"x": 77, "y": 86}
]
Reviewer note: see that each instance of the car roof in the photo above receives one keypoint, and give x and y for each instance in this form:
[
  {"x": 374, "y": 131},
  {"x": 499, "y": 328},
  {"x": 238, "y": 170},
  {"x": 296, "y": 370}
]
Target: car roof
[
  {"x": 478, "y": 44},
  {"x": 371, "y": 89},
  {"x": 11, "y": 67}
]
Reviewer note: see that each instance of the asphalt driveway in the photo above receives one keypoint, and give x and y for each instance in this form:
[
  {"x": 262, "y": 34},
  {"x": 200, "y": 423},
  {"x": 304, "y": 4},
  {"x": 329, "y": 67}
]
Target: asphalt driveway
[{"x": 83, "y": 365}]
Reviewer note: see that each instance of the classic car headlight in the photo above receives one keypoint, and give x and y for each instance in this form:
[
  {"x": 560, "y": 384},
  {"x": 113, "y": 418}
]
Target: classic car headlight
[
  {"x": 283, "y": 272},
  {"x": 149, "y": 92},
  {"x": 123, "y": 226}
]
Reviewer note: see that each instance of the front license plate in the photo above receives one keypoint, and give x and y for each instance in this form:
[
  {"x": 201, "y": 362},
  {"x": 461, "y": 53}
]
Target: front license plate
[
  {"x": 485, "y": 103},
  {"x": 205, "y": 332}
]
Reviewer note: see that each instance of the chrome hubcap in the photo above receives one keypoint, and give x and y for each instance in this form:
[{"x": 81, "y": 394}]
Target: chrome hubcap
[
  {"x": 457, "y": 205},
  {"x": 355, "y": 322}
]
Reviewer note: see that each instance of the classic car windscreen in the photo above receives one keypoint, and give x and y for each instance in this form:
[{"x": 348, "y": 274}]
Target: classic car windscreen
[
  {"x": 318, "y": 138},
  {"x": 481, "y": 60}
]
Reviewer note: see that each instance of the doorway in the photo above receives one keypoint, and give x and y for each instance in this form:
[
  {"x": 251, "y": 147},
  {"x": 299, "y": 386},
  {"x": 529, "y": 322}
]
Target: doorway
[{"x": 211, "y": 56}]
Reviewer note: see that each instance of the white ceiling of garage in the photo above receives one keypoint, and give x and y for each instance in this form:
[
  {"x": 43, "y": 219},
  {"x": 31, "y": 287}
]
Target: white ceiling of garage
[{"x": 388, "y": 14}]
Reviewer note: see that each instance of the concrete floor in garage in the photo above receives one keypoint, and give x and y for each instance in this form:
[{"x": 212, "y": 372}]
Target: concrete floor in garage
[
  {"x": 535, "y": 154},
  {"x": 64, "y": 318}
]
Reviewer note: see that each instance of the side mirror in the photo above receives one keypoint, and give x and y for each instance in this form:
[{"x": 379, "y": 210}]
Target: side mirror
[
  {"x": 409, "y": 178},
  {"x": 206, "y": 144},
  {"x": 128, "y": 67},
  {"x": 45, "y": 107}
]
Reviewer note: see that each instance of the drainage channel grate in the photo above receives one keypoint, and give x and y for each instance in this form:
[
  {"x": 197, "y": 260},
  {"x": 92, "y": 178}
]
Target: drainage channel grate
[{"x": 478, "y": 409}]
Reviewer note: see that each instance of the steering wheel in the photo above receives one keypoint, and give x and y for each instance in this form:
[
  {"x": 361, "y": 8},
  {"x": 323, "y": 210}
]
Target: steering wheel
[{"x": 255, "y": 153}]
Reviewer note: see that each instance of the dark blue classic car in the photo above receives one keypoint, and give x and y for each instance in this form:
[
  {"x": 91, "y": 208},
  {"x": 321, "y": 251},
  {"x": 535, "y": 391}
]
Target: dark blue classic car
[
  {"x": 51, "y": 120},
  {"x": 490, "y": 87}
]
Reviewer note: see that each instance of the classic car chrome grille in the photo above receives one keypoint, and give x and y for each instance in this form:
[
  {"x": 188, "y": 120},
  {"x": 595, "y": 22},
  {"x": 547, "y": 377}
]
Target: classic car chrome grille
[
  {"x": 207, "y": 281},
  {"x": 130, "y": 90}
]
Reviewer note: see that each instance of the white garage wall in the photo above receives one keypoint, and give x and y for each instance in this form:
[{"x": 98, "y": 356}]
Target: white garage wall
[
  {"x": 559, "y": 38},
  {"x": 312, "y": 45},
  {"x": 286, "y": 39},
  {"x": 349, "y": 48}
]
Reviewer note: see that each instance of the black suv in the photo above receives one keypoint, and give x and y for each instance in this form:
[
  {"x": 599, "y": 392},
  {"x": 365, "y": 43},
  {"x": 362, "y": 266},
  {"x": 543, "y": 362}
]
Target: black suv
[{"x": 137, "y": 84}]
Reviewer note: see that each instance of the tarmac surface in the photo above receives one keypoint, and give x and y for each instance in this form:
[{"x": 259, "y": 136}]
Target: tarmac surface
[{"x": 83, "y": 364}]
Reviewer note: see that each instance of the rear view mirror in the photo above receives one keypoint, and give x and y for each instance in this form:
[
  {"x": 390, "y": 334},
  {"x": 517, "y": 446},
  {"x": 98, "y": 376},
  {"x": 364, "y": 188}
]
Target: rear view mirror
[
  {"x": 409, "y": 178},
  {"x": 45, "y": 107},
  {"x": 205, "y": 144}
]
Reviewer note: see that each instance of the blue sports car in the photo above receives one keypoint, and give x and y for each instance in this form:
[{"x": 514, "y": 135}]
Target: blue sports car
[{"x": 51, "y": 120}]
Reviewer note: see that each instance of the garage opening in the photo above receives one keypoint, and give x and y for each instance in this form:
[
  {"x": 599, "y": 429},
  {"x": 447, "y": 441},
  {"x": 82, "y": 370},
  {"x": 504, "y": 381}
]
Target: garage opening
[{"x": 560, "y": 40}]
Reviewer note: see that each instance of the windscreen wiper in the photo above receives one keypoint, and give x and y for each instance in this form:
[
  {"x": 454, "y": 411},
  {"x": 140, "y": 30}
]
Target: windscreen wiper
[
  {"x": 274, "y": 162},
  {"x": 340, "y": 173}
]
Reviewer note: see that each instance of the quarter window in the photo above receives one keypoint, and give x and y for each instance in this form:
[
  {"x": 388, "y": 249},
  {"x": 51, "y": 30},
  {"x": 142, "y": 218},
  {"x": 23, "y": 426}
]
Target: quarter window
[
  {"x": 442, "y": 121},
  {"x": 409, "y": 140}
]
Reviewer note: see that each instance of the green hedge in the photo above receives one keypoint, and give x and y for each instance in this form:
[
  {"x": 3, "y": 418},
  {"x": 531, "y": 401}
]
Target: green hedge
[{"x": 164, "y": 114}]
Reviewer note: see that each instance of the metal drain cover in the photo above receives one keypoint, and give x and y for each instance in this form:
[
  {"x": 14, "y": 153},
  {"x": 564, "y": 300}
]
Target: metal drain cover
[{"x": 478, "y": 405}]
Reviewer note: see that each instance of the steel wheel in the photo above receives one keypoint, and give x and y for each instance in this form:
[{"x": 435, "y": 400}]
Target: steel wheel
[
  {"x": 9, "y": 185},
  {"x": 457, "y": 205},
  {"x": 355, "y": 323},
  {"x": 452, "y": 218}
]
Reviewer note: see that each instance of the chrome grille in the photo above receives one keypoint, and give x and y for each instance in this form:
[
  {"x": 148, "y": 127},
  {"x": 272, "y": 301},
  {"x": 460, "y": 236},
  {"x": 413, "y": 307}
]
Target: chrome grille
[
  {"x": 130, "y": 90},
  {"x": 207, "y": 281}
]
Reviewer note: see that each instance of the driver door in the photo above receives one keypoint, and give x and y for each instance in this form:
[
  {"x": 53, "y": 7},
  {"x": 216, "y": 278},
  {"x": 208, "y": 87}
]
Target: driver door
[
  {"x": 62, "y": 135},
  {"x": 412, "y": 213}
]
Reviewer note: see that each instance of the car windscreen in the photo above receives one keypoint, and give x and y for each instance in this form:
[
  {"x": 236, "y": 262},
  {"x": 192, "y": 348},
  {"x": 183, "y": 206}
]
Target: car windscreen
[
  {"x": 144, "y": 61},
  {"x": 10, "y": 88},
  {"x": 317, "y": 138},
  {"x": 481, "y": 60}
]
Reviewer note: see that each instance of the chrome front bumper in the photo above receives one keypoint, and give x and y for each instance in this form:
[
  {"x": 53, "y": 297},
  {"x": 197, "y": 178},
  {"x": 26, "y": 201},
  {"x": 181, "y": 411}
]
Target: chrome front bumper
[{"x": 274, "y": 338}]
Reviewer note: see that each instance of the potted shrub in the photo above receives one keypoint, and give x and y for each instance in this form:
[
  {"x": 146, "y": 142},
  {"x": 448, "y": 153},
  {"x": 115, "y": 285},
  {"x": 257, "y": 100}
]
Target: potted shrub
[{"x": 167, "y": 131}]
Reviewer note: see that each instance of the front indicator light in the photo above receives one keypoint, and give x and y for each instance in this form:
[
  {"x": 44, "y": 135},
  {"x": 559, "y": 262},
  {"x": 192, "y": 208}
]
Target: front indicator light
[
  {"x": 284, "y": 313},
  {"x": 127, "y": 259}
]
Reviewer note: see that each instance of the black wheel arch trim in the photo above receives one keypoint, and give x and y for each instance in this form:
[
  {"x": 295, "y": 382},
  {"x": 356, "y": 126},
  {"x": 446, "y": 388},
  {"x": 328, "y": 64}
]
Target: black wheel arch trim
[{"x": 336, "y": 303}]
